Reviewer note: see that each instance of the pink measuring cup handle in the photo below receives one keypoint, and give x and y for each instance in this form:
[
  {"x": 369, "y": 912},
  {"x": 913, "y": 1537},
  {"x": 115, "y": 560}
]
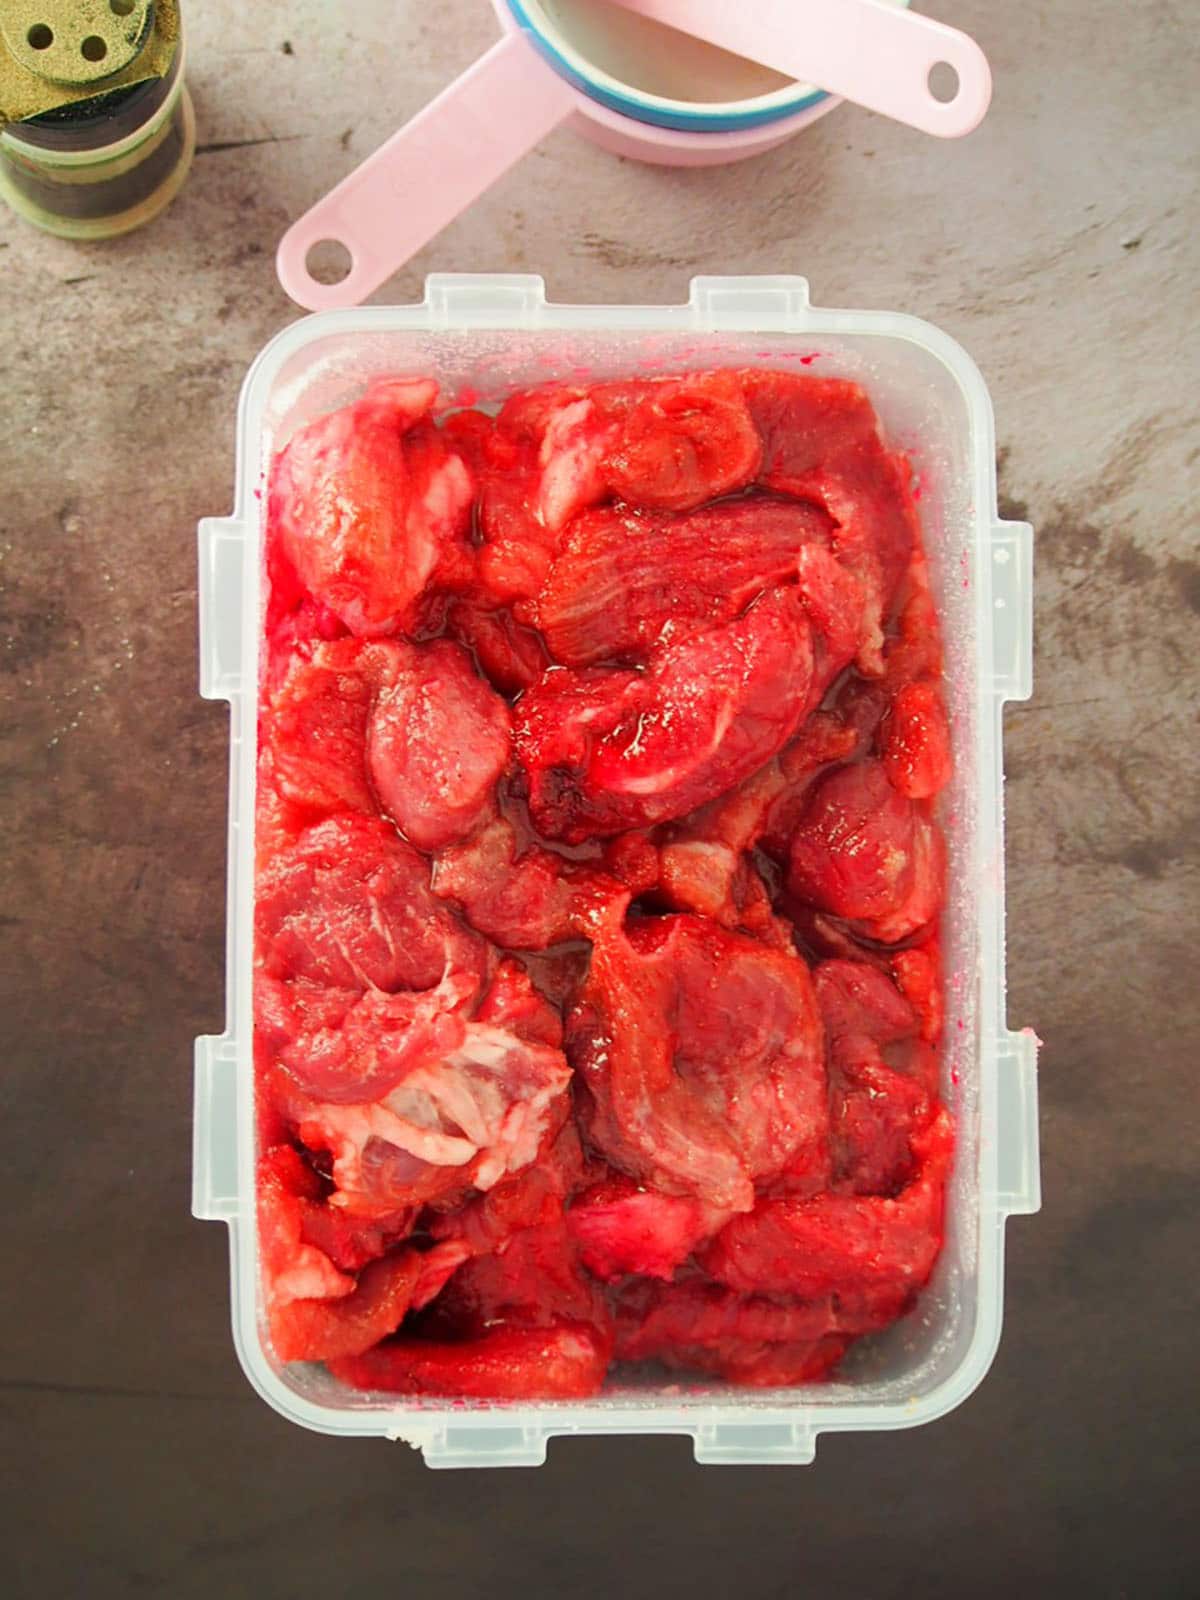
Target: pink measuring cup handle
[
  {"x": 879, "y": 56},
  {"x": 433, "y": 168}
]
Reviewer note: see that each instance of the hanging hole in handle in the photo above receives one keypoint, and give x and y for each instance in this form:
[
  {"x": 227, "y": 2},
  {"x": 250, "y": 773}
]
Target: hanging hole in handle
[
  {"x": 943, "y": 82},
  {"x": 328, "y": 262}
]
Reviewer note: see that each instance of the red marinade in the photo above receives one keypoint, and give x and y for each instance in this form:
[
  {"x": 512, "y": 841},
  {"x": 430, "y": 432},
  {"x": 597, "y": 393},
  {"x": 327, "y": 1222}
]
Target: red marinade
[{"x": 597, "y": 988}]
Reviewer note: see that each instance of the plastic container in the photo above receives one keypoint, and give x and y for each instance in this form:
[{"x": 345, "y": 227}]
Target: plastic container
[{"x": 492, "y": 334}]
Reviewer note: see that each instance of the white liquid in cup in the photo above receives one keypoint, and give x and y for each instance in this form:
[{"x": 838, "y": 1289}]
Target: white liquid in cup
[{"x": 648, "y": 56}]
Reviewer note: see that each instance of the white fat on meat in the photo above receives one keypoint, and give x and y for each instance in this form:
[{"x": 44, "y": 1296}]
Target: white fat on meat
[
  {"x": 486, "y": 1102},
  {"x": 309, "y": 1276},
  {"x": 572, "y": 457}
]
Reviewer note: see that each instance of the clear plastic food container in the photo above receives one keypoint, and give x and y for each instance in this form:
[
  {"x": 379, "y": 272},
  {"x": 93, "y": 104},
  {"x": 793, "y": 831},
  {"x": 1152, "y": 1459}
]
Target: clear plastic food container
[{"x": 490, "y": 335}]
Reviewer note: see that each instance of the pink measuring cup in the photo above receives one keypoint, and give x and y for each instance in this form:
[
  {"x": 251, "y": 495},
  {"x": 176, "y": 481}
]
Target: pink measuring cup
[{"x": 554, "y": 66}]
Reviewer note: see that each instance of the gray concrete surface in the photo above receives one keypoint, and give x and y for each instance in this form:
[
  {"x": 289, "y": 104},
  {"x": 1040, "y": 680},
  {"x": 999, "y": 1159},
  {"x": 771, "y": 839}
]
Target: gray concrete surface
[{"x": 1058, "y": 245}]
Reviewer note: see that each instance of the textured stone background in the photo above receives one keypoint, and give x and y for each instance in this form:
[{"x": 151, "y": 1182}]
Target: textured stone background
[{"x": 1058, "y": 245}]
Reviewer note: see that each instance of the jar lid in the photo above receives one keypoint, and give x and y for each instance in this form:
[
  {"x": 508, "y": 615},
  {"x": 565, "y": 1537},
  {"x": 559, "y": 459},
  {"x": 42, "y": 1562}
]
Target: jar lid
[{"x": 56, "y": 53}]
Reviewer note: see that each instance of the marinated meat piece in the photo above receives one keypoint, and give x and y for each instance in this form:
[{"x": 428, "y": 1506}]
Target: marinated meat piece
[
  {"x": 309, "y": 1249},
  {"x": 821, "y": 443},
  {"x": 777, "y": 1366},
  {"x": 450, "y": 1122},
  {"x": 667, "y": 445},
  {"x": 523, "y": 899},
  {"x": 882, "y": 1089},
  {"x": 820, "y": 936},
  {"x": 514, "y": 1003},
  {"x": 871, "y": 1253},
  {"x": 466, "y": 1119},
  {"x": 689, "y": 743},
  {"x": 688, "y": 441},
  {"x": 874, "y": 1113},
  {"x": 655, "y": 1318},
  {"x": 774, "y": 1366},
  {"x": 880, "y": 1093},
  {"x": 523, "y": 1268},
  {"x": 359, "y": 724},
  {"x": 518, "y": 550},
  {"x": 533, "y": 1280},
  {"x": 702, "y": 1052},
  {"x": 571, "y": 458},
  {"x": 351, "y": 1047},
  {"x": 381, "y": 1160},
  {"x": 546, "y": 462},
  {"x": 470, "y": 431},
  {"x": 915, "y": 651},
  {"x": 350, "y": 1242},
  {"x": 823, "y": 741},
  {"x": 293, "y": 1268},
  {"x": 625, "y": 582},
  {"x": 349, "y": 905},
  {"x": 748, "y": 1339},
  {"x": 531, "y": 1198},
  {"x": 858, "y": 1000},
  {"x": 606, "y": 751},
  {"x": 293, "y": 620},
  {"x": 808, "y": 423},
  {"x": 510, "y": 656},
  {"x": 556, "y": 727},
  {"x": 438, "y": 1265},
  {"x": 441, "y": 498},
  {"x": 560, "y": 1363},
  {"x": 364, "y": 529},
  {"x": 863, "y": 851},
  {"x": 323, "y": 1330},
  {"x": 632, "y": 858},
  {"x": 438, "y": 739},
  {"x": 914, "y": 742},
  {"x": 499, "y": 1089},
  {"x": 714, "y": 881},
  {"x": 751, "y": 812},
  {"x": 557, "y": 973},
  {"x": 314, "y": 727},
  {"x": 918, "y": 973},
  {"x": 836, "y": 605},
  {"x": 911, "y": 655},
  {"x": 703, "y": 865},
  {"x": 621, "y": 1228}
]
